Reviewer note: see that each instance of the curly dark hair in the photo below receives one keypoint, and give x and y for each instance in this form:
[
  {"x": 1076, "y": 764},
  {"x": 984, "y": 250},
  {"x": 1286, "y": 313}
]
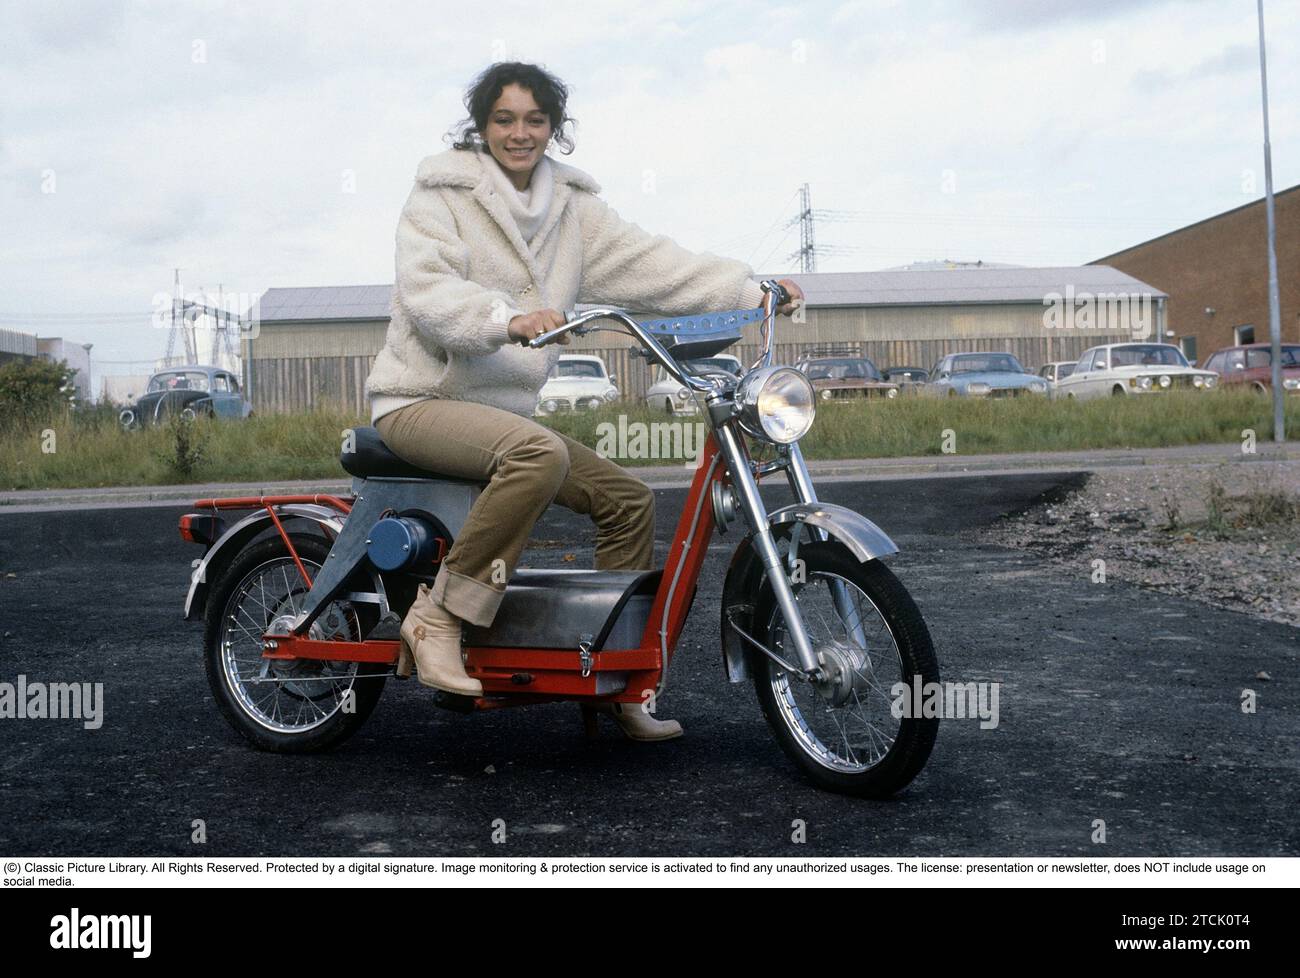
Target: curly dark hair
[{"x": 551, "y": 94}]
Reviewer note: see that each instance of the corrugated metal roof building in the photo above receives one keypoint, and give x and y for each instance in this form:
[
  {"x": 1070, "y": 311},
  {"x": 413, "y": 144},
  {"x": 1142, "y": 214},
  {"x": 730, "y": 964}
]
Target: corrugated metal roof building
[
  {"x": 14, "y": 345},
  {"x": 314, "y": 346}
]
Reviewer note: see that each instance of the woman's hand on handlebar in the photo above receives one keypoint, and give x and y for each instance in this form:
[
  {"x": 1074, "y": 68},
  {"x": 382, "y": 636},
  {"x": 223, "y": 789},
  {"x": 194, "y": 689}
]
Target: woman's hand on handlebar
[
  {"x": 796, "y": 296},
  {"x": 523, "y": 328}
]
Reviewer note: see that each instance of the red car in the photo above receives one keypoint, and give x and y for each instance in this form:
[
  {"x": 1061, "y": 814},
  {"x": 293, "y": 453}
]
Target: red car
[{"x": 1253, "y": 364}]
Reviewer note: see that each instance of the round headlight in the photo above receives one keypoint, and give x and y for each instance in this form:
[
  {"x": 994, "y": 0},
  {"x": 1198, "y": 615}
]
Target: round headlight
[
  {"x": 776, "y": 404},
  {"x": 1198, "y": 380},
  {"x": 127, "y": 418},
  {"x": 1144, "y": 383},
  {"x": 683, "y": 394},
  {"x": 611, "y": 394},
  {"x": 549, "y": 406},
  {"x": 892, "y": 392},
  {"x": 1211, "y": 381},
  {"x": 1164, "y": 380}
]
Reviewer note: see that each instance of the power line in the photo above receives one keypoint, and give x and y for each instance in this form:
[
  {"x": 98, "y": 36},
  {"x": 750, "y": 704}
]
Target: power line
[
  {"x": 776, "y": 248},
  {"x": 55, "y": 319},
  {"x": 780, "y": 220}
]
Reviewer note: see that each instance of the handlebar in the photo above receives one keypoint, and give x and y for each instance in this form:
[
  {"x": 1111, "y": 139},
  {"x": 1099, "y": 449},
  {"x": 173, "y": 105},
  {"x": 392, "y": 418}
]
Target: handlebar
[{"x": 774, "y": 295}]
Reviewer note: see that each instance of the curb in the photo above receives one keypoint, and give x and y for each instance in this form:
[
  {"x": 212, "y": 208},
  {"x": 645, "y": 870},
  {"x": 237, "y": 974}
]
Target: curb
[{"x": 673, "y": 476}]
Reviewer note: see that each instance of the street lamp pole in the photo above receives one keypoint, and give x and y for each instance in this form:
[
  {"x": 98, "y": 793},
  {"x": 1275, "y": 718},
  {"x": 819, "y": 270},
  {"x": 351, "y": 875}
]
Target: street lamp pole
[{"x": 1274, "y": 302}]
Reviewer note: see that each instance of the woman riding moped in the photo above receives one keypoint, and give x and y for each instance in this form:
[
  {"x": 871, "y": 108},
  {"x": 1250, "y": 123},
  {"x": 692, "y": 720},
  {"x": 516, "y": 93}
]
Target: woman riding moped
[{"x": 494, "y": 239}]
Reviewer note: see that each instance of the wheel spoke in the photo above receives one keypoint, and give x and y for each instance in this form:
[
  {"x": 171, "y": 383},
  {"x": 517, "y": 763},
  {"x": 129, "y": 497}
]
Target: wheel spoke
[
  {"x": 284, "y": 695},
  {"x": 857, "y": 734}
]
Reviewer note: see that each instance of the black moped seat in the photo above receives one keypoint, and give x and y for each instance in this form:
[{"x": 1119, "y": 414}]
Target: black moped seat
[{"x": 372, "y": 459}]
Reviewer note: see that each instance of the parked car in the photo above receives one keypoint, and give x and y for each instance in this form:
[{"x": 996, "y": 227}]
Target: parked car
[
  {"x": 665, "y": 394},
  {"x": 838, "y": 377},
  {"x": 191, "y": 391},
  {"x": 982, "y": 375},
  {"x": 1118, "y": 369},
  {"x": 1055, "y": 372},
  {"x": 910, "y": 380},
  {"x": 1252, "y": 364},
  {"x": 579, "y": 382}
]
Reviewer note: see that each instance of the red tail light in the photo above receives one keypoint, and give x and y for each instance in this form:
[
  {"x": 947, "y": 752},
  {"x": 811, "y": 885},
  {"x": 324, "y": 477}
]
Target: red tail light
[{"x": 201, "y": 528}]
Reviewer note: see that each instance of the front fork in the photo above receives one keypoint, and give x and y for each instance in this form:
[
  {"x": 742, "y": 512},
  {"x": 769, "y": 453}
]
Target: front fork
[
  {"x": 751, "y": 504},
  {"x": 801, "y": 484}
]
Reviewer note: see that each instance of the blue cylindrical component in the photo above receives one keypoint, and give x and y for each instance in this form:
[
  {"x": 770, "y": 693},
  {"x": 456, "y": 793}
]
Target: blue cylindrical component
[{"x": 401, "y": 542}]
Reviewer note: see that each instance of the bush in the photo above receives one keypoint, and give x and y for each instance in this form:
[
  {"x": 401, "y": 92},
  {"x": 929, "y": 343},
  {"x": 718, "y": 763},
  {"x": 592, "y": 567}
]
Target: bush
[
  {"x": 33, "y": 389},
  {"x": 185, "y": 446}
]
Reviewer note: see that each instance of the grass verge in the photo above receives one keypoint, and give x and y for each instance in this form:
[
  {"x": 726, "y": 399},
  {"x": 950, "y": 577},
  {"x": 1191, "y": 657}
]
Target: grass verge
[{"x": 90, "y": 449}]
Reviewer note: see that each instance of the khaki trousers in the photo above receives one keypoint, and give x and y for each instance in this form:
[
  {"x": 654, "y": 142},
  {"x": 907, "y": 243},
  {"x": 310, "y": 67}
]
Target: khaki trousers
[{"x": 526, "y": 467}]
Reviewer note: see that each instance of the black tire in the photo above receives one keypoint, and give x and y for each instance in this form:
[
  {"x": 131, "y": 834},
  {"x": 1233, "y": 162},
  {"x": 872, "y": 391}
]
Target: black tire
[
  {"x": 914, "y": 736},
  {"x": 318, "y": 687},
  {"x": 1117, "y": 391}
]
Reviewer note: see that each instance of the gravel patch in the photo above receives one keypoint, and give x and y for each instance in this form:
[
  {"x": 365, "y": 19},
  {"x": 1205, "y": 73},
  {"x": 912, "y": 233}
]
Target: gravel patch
[{"x": 1227, "y": 534}]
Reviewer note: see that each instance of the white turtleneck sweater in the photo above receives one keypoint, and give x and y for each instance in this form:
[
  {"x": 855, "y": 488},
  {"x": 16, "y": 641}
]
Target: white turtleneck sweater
[{"x": 528, "y": 207}]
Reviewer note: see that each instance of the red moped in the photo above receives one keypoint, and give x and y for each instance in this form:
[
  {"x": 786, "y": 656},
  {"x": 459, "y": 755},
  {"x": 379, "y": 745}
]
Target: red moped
[{"x": 302, "y": 598}]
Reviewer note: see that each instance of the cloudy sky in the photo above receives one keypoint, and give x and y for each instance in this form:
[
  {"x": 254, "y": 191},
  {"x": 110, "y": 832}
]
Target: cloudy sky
[{"x": 272, "y": 144}]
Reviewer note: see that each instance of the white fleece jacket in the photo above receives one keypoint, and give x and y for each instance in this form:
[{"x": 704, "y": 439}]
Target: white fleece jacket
[{"x": 464, "y": 271}]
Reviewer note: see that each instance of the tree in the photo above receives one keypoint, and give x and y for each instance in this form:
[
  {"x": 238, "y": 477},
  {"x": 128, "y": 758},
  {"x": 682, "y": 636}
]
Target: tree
[{"x": 33, "y": 388}]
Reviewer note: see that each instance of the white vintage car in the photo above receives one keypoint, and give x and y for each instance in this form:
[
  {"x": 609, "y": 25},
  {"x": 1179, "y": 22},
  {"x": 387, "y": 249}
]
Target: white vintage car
[
  {"x": 1133, "y": 368},
  {"x": 579, "y": 382},
  {"x": 1055, "y": 372},
  {"x": 665, "y": 394}
]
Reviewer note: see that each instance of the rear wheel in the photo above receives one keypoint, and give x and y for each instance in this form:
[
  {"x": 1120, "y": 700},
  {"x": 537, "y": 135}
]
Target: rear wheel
[
  {"x": 841, "y": 729},
  {"x": 292, "y": 705}
]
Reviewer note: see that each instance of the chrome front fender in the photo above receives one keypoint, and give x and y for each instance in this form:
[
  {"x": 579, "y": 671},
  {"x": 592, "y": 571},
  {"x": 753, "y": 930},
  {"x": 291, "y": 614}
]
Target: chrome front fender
[
  {"x": 233, "y": 540},
  {"x": 855, "y": 531},
  {"x": 863, "y": 538}
]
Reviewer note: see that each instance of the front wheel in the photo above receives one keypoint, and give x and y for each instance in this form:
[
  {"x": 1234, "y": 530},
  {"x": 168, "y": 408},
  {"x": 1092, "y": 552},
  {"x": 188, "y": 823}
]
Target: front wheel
[
  {"x": 842, "y": 729},
  {"x": 291, "y": 706}
]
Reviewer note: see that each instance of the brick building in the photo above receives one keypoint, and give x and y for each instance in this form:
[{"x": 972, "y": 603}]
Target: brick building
[{"x": 1215, "y": 273}]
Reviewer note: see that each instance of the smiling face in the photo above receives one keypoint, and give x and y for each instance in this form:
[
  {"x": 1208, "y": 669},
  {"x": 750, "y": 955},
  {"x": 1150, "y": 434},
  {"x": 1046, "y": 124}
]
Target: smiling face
[{"x": 517, "y": 133}]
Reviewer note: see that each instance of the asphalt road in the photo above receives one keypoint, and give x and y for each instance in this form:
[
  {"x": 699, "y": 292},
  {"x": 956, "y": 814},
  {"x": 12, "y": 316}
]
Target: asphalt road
[{"x": 1117, "y": 703}]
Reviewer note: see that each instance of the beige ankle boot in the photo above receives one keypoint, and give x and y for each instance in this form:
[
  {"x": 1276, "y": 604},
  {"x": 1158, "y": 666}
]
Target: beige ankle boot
[
  {"x": 634, "y": 721},
  {"x": 431, "y": 636}
]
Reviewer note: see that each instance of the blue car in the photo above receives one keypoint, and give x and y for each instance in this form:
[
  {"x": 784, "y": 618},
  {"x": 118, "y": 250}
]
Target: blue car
[
  {"x": 983, "y": 375},
  {"x": 191, "y": 391}
]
